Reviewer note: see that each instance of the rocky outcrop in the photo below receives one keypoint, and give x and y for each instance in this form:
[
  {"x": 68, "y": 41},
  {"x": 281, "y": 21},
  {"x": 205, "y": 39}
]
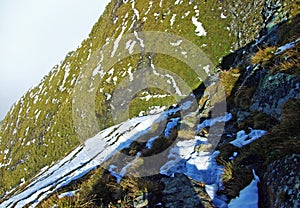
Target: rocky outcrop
[
  {"x": 273, "y": 91},
  {"x": 180, "y": 191},
  {"x": 282, "y": 183}
]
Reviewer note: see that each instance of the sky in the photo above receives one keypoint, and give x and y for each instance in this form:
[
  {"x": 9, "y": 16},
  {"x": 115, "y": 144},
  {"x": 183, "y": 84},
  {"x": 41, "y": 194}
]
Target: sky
[{"x": 35, "y": 35}]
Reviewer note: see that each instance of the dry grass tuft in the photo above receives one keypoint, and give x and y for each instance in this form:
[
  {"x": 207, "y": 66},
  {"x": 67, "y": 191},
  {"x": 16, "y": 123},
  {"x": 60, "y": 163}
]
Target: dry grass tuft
[{"x": 263, "y": 56}]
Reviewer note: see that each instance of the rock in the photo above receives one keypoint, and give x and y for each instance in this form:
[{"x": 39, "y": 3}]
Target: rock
[
  {"x": 180, "y": 191},
  {"x": 281, "y": 188},
  {"x": 273, "y": 91}
]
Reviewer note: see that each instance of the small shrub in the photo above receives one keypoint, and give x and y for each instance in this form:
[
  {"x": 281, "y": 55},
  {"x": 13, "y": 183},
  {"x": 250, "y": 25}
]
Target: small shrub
[
  {"x": 263, "y": 56},
  {"x": 229, "y": 79},
  {"x": 228, "y": 168}
]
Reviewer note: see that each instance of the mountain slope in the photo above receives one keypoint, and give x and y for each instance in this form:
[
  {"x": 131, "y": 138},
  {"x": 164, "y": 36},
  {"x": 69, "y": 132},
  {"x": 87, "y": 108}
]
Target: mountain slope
[
  {"x": 41, "y": 120},
  {"x": 42, "y": 127}
]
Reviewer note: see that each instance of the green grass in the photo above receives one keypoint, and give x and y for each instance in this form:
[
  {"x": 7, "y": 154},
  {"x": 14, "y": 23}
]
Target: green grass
[{"x": 54, "y": 131}]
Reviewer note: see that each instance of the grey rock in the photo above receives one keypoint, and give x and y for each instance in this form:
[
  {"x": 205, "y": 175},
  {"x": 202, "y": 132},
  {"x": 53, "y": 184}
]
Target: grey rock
[{"x": 273, "y": 91}]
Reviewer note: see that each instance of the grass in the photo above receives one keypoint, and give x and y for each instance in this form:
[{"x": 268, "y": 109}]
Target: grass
[
  {"x": 263, "y": 56},
  {"x": 54, "y": 131},
  {"x": 288, "y": 61},
  {"x": 229, "y": 79}
]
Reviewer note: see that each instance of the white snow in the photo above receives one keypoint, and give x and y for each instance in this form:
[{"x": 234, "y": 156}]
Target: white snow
[
  {"x": 211, "y": 122},
  {"x": 196, "y": 10},
  {"x": 147, "y": 96},
  {"x": 136, "y": 12},
  {"x": 223, "y": 16},
  {"x": 66, "y": 75},
  {"x": 130, "y": 74},
  {"x": 139, "y": 39},
  {"x": 149, "y": 8},
  {"x": 67, "y": 194},
  {"x": 248, "y": 197},
  {"x": 150, "y": 142},
  {"x": 117, "y": 41},
  {"x": 172, "y": 20},
  {"x": 130, "y": 46},
  {"x": 207, "y": 69},
  {"x": 177, "y": 43},
  {"x": 160, "y": 3},
  {"x": 183, "y": 158},
  {"x": 156, "y": 109},
  {"x": 243, "y": 139},
  {"x": 287, "y": 46},
  {"x": 185, "y": 15},
  {"x": 82, "y": 160},
  {"x": 200, "y": 31}
]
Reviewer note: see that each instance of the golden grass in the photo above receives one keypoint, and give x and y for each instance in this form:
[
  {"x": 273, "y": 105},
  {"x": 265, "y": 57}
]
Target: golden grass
[
  {"x": 263, "y": 56},
  {"x": 229, "y": 79}
]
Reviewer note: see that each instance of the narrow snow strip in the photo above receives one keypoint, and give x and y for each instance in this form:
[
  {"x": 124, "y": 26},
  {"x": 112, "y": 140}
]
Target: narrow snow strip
[
  {"x": 243, "y": 139},
  {"x": 200, "y": 31},
  {"x": 211, "y": 122},
  {"x": 130, "y": 46},
  {"x": 136, "y": 12},
  {"x": 170, "y": 126},
  {"x": 67, "y": 194},
  {"x": 151, "y": 141},
  {"x": 172, "y": 20},
  {"x": 177, "y": 43},
  {"x": 149, "y": 8},
  {"x": 116, "y": 43},
  {"x": 248, "y": 197},
  {"x": 139, "y": 39},
  {"x": 286, "y": 47}
]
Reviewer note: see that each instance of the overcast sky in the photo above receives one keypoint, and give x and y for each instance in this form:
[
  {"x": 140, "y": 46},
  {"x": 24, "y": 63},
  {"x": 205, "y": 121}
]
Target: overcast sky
[{"x": 35, "y": 35}]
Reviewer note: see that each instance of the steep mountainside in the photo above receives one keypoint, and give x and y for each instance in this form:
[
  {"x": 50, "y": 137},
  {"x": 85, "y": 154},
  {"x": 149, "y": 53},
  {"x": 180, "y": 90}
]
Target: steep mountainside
[{"x": 241, "y": 116}]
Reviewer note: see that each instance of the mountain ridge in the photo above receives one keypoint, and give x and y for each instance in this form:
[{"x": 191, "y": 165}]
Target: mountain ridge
[{"x": 57, "y": 96}]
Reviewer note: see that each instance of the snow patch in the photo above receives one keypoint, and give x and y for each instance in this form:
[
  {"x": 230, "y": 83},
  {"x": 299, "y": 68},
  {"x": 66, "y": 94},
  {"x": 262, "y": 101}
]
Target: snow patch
[
  {"x": 172, "y": 20},
  {"x": 286, "y": 47},
  {"x": 139, "y": 39},
  {"x": 223, "y": 16},
  {"x": 130, "y": 46},
  {"x": 200, "y": 31},
  {"x": 248, "y": 197},
  {"x": 67, "y": 194},
  {"x": 243, "y": 139},
  {"x": 177, "y": 43}
]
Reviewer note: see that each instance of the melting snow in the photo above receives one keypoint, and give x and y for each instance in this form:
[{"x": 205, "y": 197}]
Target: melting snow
[
  {"x": 248, "y": 197},
  {"x": 211, "y": 122},
  {"x": 243, "y": 139},
  {"x": 136, "y": 12},
  {"x": 67, "y": 194},
  {"x": 82, "y": 160},
  {"x": 116, "y": 43},
  {"x": 286, "y": 47},
  {"x": 200, "y": 31},
  {"x": 177, "y": 43},
  {"x": 223, "y": 16},
  {"x": 130, "y": 46},
  {"x": 149, "y": 8},
  {"x": 139, "y": 39},
  {"x": 172, "y": 20}
]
